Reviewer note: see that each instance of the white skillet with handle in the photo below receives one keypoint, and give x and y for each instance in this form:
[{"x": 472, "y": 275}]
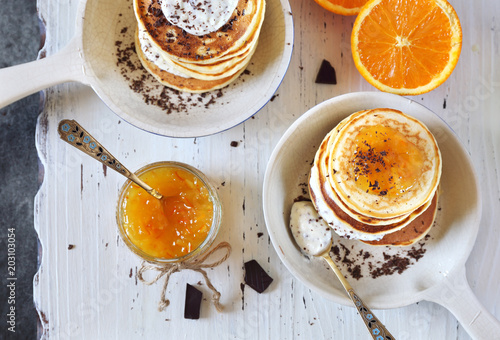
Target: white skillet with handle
[
  {"x": 439, "y": 276},
  {"x": 91, "y": 58}
]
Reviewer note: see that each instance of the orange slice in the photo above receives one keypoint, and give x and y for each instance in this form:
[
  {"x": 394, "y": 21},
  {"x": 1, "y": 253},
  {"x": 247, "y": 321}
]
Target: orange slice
[
  {"x": 343, "y": 7},
  {"x": 406, "y": 47}
]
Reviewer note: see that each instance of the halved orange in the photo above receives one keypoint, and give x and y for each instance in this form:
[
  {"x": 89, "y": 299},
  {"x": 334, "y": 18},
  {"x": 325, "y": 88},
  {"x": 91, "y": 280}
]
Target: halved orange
[
  {"x": 343, "y": 7},
  {"x": 406, "y": 47}
]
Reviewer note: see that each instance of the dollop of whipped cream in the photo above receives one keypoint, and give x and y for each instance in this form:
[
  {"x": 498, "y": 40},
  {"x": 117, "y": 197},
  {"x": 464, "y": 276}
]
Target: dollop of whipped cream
[
  {"x": 312, "y": 234},
  {"x": 198, "y": 17}
]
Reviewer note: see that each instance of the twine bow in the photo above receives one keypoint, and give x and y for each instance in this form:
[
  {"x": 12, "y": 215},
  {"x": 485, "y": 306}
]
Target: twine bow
[{"x": 197, "y": 264}]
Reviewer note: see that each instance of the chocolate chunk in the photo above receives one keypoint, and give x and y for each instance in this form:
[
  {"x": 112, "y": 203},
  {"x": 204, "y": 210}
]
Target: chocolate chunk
[
  {"x": 256, "y": 277},
  {"x": 193, "y": 302},
  {"x": 326, "y": 74}
]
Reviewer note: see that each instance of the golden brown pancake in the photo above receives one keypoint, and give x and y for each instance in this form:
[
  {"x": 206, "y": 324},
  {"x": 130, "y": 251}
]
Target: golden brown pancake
[
  {"x": 192, "y": 85},
  {"x": 185, "y": 47},
  {"x": 322, "y": 163},
  {"x": 208, "y": 72},
  {"x": 384, "y": 163},
  {"x": 414, "y": 231},
  {"x": 365, "y": 228},
  {"x": 220, "y": 67},
  {"x": 339, "y": 217},
  {"x": 351, "y": 223}
]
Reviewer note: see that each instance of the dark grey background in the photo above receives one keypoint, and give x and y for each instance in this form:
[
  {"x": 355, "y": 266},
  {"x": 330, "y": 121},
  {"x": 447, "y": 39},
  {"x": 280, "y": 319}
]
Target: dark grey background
[{"x": 19, "y": 43}]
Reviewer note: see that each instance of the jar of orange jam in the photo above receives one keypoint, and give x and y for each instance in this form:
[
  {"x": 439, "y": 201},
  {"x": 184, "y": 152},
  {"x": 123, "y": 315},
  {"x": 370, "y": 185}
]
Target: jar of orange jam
[{"x": 181, "y": 226}]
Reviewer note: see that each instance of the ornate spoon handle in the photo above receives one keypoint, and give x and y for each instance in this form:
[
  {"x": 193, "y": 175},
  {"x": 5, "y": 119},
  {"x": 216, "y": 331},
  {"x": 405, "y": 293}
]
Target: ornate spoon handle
[
  {"x": 73, "y": 133},
  {"x": 375, "y": 327}
]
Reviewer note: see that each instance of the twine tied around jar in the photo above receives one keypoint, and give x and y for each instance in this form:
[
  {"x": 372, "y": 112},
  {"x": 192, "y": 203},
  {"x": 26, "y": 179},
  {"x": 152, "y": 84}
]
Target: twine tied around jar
[{"x": 198, "y": 264}]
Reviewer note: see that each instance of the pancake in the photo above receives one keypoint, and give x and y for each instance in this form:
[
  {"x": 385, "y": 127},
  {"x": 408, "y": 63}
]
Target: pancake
[
  {"x": 343, "y": 221},
  {"x": 229, "y": 62},
  {"x": 384, "y": 163},
  {"x": 218, "y": 70},
  {"x": 185, "y": 47},
  {"x": 204, "y": 72},
  {"x": 337, "y": 211},
  {"x": 322, "y": 162},
  {"x": 348, "y": 227},
  {"x": 181, "y": 83},
  {"x": 202, "y": 46},
  {"x": 414, "y": 231}
]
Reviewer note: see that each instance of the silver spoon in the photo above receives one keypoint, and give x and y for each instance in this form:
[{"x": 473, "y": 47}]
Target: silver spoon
[
  {"x": 314, "y": 237},
  {"x": 74, "y": 134}
]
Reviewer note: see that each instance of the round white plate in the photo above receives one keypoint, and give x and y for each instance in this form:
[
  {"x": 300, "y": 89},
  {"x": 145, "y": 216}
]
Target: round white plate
[
  {"x": 102, "y": 55},
  {"x": 451, "y": 238},
  {"x": 107, "y": 21}
]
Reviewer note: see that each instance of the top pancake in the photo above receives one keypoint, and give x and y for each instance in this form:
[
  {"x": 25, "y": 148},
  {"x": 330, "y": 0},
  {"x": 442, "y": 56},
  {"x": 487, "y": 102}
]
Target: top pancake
[
  {"x": 343, "y": 220},
  {"x": 182, "y": 46},
  {"x": 378, "y": 143},
  {"x": 322, "y": 163},
  {"x": 181, "y": 83},
  {"x": 319, "y": 180}
]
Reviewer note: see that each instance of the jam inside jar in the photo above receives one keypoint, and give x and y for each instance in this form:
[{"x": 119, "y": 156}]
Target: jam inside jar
[{"x": 180, "y": 226}]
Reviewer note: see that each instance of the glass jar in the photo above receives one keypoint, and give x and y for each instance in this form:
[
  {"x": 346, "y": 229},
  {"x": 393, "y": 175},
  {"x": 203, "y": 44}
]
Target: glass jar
[{"x": 122, "y": 214}]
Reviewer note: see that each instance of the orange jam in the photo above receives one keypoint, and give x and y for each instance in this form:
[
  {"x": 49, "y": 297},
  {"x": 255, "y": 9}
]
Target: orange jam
[
  {"x": 385, "y": 163},
  {"x": 171, "y": 227}
]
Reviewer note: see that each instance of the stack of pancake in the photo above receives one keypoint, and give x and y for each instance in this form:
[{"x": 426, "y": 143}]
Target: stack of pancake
[
  {"x": 197, "y": 46},
  {"x": 375, "y": 178}
]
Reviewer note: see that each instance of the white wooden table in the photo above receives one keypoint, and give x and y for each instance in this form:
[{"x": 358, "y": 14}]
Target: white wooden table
[{"x": 90, "y": 291}]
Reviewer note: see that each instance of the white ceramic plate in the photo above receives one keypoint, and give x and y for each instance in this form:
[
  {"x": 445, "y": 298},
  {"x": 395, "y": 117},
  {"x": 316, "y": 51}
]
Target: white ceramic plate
[
  {"x": 240, "y": 100},
  {"x": 451, "y": 238},
  {"x": 91, "y": 58}
]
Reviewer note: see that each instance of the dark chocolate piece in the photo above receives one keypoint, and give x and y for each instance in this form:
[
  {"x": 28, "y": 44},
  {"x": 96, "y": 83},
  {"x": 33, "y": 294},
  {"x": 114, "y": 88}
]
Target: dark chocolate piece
[
  {"x": 193, "y": 302},
  {"x": 256, "y": 277},
  {"x": 326, "y": 74}
]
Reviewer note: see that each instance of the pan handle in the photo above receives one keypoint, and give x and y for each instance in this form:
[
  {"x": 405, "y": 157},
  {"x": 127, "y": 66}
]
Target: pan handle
[
  {"x": 19, "y": 81},
  {"x": 456, "y": 295}
]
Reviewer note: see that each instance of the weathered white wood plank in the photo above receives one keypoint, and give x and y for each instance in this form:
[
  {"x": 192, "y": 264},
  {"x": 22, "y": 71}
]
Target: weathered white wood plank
[{"x": 90, "y": 291}]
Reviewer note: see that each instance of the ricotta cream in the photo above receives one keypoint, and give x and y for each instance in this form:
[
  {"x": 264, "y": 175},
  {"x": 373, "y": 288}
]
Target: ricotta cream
[
  {"x": 311, "y": 232},
  {"x": 198, "y": 17}
]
